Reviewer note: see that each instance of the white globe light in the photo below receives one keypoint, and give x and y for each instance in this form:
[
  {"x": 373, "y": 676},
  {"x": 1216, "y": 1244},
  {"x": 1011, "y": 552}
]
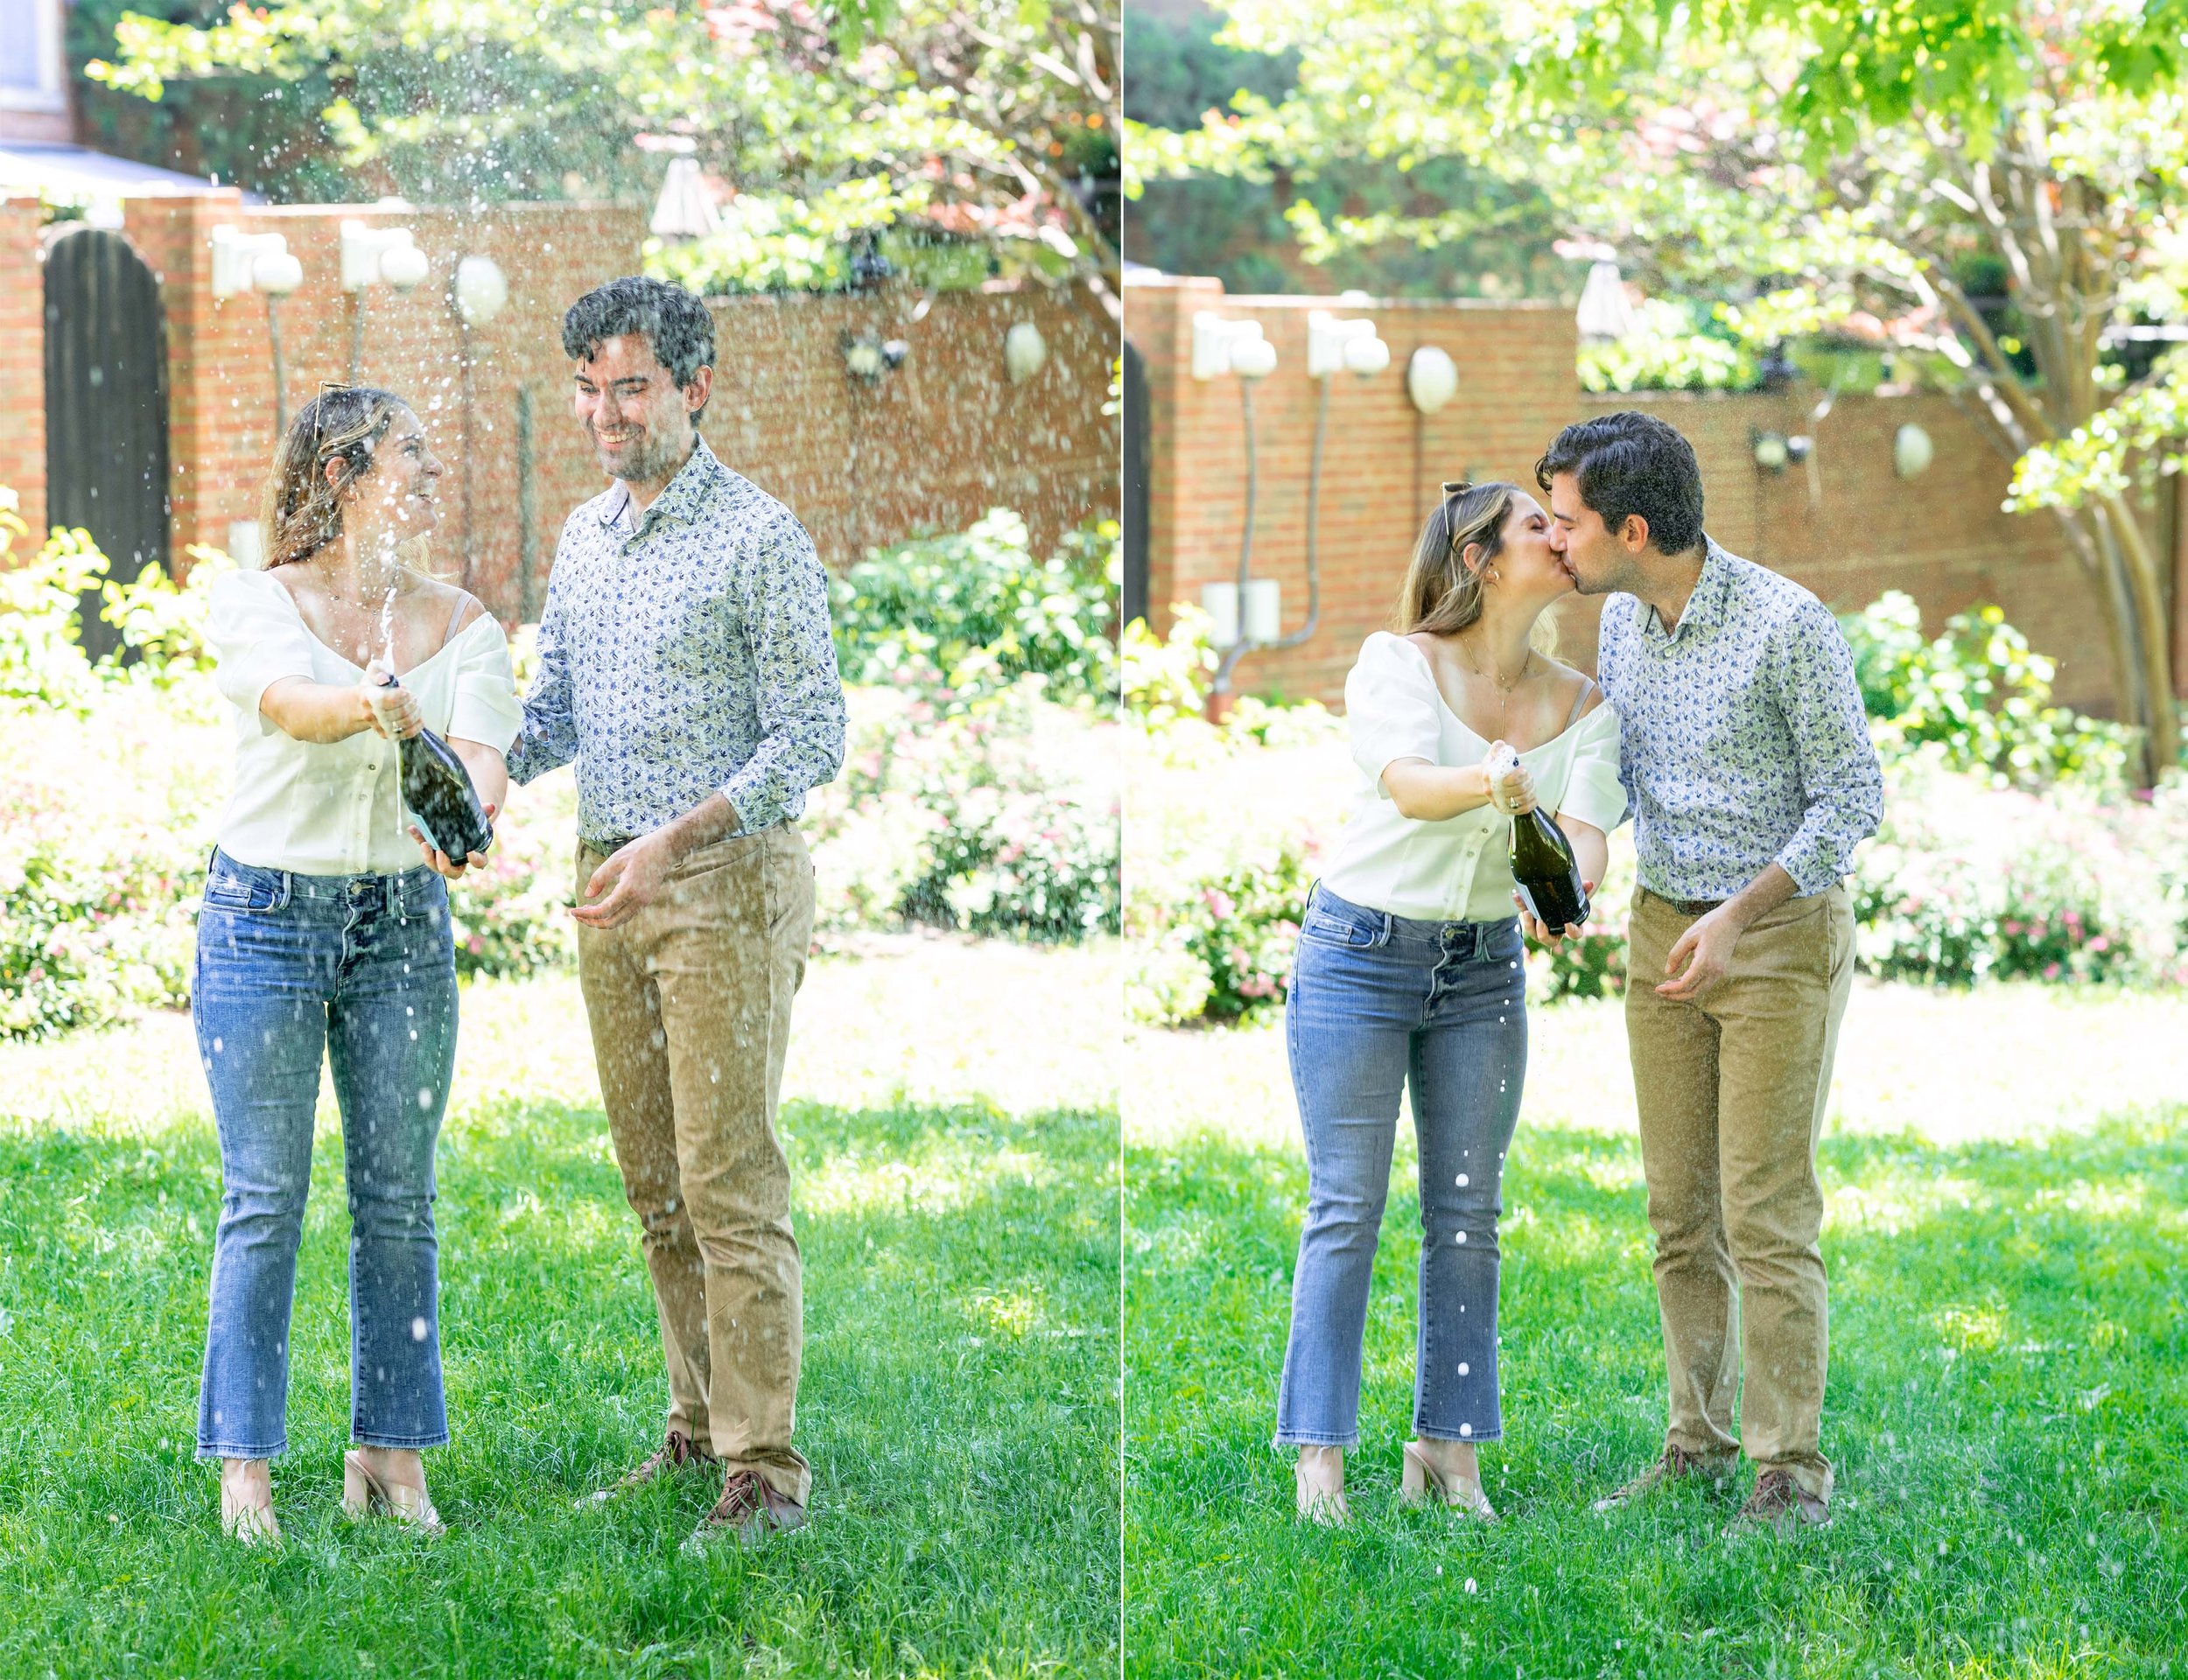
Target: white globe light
[
  {"x": 1911, "y": 451},
  {"x": 481, "y": 289},
  {"x": 1252, "y": 358},
  {"x": 1432, "y": 379},
  {"x": 277, "y": 274},
  {"x": 1024, "y": 351},
  {"x": 1366, "y": 356},
  {"x": 403, "y": 266}
]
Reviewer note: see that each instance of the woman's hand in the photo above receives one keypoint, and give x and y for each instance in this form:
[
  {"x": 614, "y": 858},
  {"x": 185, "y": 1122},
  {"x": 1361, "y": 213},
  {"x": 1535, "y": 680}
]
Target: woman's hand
[
  {"x": 440, "y": 863},
  {"x": 1541, "y": 932},
  {"x": 390, "y": 709},
  {"x": 1511, "y": 794}
]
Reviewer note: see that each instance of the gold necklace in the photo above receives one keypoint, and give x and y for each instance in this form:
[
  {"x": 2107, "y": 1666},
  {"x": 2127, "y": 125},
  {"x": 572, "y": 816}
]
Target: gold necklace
[{"x": 1504, "y": 692}]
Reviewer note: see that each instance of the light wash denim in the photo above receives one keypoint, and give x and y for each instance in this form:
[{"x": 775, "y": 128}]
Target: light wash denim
[
  {"x": 1379, "y": 1003},
  {"x": 293, "y": 969}
]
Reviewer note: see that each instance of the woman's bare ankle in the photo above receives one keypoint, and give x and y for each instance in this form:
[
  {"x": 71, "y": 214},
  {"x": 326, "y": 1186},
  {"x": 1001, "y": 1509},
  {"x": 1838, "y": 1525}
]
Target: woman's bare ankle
[
  {"x": 1452, "y": 1460},
  {"x": 396, "y": 1467}
]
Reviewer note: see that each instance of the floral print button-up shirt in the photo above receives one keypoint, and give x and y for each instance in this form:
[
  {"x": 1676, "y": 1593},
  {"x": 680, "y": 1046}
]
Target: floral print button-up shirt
[
  {"x": 1742, "y": 737},
  {"x": 684, "y": 652}
]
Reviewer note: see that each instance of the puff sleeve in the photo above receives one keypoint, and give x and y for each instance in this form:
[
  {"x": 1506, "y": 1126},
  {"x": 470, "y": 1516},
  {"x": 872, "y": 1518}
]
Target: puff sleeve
[
  {"x": 1593, "y": 792},
  {"x": 257, "y": 638},
  {"x": 1390, "y": 706},
  {"x": 485, "y": 708}
]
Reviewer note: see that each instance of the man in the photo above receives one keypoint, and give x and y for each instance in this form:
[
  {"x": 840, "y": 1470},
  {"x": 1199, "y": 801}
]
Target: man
[
  {"x": 1749, "y": 769},
  {"x": 685, "y": 666}
]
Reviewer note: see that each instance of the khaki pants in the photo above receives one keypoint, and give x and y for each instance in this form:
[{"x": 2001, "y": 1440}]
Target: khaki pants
[
  {"x": 1731, "y": 1091},
  {"x": 690, "y": 1004}
]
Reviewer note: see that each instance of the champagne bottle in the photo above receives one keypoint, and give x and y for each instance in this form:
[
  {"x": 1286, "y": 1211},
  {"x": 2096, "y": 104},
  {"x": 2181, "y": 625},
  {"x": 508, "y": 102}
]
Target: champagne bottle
[
  {"x": 438, "y": 794},
  {"x": 1542, "y": 862}
]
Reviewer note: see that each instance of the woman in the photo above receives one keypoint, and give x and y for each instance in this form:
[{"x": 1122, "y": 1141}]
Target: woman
[
  {"x": 322, "y": 936},
  {"x": 1409, "y": 972}
]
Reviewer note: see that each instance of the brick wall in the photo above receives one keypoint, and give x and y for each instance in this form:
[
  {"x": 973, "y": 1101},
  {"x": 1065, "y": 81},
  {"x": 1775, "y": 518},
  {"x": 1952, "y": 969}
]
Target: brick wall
[
  {"x": 930, "y": 445},
  {"x": 1941, "y": 537},
  {"x": 22, "y": 359}
]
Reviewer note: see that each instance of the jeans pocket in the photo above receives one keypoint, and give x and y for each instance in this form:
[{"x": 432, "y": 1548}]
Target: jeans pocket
[
  {"x": 245, "y": 887},
  {"x": 1329, "y": 924}
]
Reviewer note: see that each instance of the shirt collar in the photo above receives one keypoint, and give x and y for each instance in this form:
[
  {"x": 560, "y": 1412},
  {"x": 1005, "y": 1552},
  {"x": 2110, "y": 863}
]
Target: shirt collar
[
  {"x": 1706, "y": 605},
  {"x": 683, "y": 498}
]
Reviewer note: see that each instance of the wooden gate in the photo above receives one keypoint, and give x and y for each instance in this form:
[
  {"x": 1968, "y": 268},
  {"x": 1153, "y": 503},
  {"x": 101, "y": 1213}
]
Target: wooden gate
[
  {"x": 1135, "y": 485},
  {"x": 106, "y": 406}
]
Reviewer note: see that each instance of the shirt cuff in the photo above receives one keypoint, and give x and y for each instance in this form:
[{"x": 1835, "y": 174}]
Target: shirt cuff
[
  {"x": 1813, "y": 862},
  {"x": 749, "y": 803}
]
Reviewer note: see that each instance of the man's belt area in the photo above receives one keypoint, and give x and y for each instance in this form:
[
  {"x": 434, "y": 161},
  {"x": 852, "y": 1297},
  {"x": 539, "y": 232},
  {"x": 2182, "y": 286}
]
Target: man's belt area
[
  {"x": 1685, "y": 907},
  {"x": 610, "y": 846}
]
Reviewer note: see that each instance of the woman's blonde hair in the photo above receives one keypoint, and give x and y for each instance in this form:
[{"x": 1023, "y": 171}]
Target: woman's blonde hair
[
  {"x": 303, "y": 506},
  {"x": 1442, "y": 593}
]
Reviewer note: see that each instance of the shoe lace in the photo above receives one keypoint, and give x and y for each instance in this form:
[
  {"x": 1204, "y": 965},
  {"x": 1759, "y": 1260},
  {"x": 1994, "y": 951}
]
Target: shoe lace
[
  {"x": 743, "y": 1494},
  {"x": 1773, "y": 1492}
]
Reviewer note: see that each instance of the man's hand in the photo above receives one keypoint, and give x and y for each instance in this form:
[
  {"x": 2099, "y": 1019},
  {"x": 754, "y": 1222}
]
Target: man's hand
[
  {"x": 1705, "y": 951},
  {"x": 1540, "y": 932},
  {"x": 631, "y": 880},
  {"x": 440, "y": 863}
]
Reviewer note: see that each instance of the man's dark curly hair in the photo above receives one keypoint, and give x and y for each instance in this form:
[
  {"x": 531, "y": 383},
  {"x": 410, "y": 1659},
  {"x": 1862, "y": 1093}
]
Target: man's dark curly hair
[
  {"x": 1632, "y": 463},
  {"x": 675, "y": 323}
]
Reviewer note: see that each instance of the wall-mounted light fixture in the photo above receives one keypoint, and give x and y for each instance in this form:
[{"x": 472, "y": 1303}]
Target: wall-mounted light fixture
[
  {"x": 868, "y": 358},
  {"x": 1337, "y": 347},
  {"x": 1222, "y": 345},
  {"x": 259, "y": 262},
  {"x": 1911, "y": 451},
  {"x": 482, "y": 290},
  {"x": 1774, "y": 450},
  {"x": 1024, "y": 351},
  {"x": 1432, "y": 378},
  {"x": 373, "y": 256}
]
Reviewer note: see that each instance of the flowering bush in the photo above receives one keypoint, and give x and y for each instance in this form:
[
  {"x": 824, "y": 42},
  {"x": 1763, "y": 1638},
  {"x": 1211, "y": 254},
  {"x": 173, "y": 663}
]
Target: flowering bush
[
  {"x": 989, "y": 809},
  {"x": 2007, "y": 851},
  {"x": 1001, "y": 819},
  {"x": 1980, "y": 693}
]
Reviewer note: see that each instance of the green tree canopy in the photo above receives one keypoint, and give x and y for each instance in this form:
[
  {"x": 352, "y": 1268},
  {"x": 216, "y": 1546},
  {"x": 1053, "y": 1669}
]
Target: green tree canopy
[
  {"x": 992, "y": 119},
  {"x": 1809, "y": 159}
]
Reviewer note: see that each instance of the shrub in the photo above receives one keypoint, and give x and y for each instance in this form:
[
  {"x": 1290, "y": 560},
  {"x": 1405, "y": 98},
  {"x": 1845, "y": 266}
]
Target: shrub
[
  {"x": 1978, "y": 692},
  {"x": 992, "y": 814},
  {"x": 2008, "y": 849},
  {"x": 967, "y": 615},
  {"x": 1000, "y": 820}
]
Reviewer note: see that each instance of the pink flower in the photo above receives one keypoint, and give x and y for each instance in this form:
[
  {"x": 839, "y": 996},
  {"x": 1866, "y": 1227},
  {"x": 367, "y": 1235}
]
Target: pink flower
[
  {"x": 1219, "y": 903},
  {"x": 2012, "y": 929},
  {"x": 2100, "y": 944},
  {"x": 2051, "y": 971}
]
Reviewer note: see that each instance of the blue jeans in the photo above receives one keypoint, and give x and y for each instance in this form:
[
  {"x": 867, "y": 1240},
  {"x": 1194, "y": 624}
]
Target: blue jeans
[
  {"x": 1378, "y": 1003},
  {"x": 292, "y": 969}
]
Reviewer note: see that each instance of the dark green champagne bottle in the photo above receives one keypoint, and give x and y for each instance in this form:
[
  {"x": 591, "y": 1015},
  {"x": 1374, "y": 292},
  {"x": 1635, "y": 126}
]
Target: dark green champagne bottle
[
  {"x": 1543, "y": 864},
  {"x": 438, "y": 794}
]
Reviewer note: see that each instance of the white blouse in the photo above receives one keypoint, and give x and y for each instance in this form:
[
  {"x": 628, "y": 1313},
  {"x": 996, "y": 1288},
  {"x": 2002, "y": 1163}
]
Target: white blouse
[
  {"x": 1459, "y": 868},
  {"x": 335, "y": 807}
]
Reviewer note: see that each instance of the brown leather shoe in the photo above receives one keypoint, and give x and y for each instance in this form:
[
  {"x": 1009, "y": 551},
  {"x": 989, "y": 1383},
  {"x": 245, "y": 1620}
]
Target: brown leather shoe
[
  {"x": 750, "y": 1509},
  {"x": 1780, "y": 1503},
  {"x": 679, "y": 1452},
  {"x": 1676, "y": 1465}
]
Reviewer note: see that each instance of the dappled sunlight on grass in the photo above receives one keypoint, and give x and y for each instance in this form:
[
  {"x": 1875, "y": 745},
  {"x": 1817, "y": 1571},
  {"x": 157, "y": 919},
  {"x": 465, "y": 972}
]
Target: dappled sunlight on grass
[
  {"x": 2009, "y": 1372},
  {"x": 959, "y": 1398}
]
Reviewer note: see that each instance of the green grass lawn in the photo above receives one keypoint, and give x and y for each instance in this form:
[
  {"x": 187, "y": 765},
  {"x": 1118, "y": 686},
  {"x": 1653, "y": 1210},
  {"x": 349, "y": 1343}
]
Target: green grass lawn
[
  {"x": 958, "y": 1403},
  {"x": 2008, "y": 1413}
]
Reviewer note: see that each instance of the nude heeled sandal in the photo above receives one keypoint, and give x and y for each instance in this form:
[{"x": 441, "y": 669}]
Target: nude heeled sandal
[
  {"x": 1423, "y": 1484},
  {"x": 1322, "y": 1505},
  {"x": 251, "y": 1525},
  {"x": 365, "y": 1495}
]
